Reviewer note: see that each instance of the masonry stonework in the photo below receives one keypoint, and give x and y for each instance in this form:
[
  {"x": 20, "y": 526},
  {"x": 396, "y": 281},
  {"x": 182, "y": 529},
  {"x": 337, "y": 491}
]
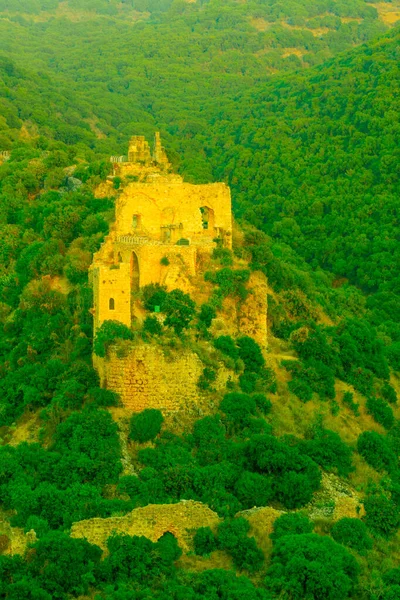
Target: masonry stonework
[
  {"x": 145, "y": 378},
  {"x": 252, "y": 316},
  {"x": 152, "y": 521},
  {"x": 157, "y": 216}
]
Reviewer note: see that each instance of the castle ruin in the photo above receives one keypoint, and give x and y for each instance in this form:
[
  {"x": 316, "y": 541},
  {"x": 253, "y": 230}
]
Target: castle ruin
[
  {"x": 164, "y": 230},
  {"x": 162, "y": 225}
]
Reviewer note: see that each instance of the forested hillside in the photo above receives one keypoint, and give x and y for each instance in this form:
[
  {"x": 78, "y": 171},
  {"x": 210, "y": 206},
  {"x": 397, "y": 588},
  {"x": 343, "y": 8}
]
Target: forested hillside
[
  {"x": 243, "y": 40},
  {"x": 314, "y": 161},
  {"x": 298, "y": 458},
  {"x": 297, "y": 152},
  {"x": 310, "y": 432}
]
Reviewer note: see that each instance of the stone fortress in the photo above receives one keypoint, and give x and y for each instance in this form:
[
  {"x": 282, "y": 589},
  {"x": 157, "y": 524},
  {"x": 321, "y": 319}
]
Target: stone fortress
[
  {"x": 164, "y": 230},
  {"x": 162, "y": 226}
]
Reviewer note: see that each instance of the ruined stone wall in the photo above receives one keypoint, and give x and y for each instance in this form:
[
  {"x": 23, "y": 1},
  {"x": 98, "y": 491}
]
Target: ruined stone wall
[
  {"x": 177, "y": 205},
  {"x": 248, "y": 317},
  {"x": 252, "y": 315},
  {"x": 154, "y": 221},
  {"x": 152, "y": 521},
  {"x": 148, "y": 378}
]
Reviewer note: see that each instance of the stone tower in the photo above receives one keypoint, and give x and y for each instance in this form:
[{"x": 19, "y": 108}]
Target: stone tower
[
  {"x": 159, "y": 154},
  {"x": 139, "y": 150}
]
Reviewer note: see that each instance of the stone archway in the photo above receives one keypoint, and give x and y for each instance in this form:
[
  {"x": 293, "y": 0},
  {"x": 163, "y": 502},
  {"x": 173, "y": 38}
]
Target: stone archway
[{"x": 135, "y": 272}]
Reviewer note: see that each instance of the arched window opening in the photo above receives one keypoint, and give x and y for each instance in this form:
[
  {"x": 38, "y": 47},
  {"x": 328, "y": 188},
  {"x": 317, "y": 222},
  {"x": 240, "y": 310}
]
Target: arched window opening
[
  {"x": 207, "y": 217},
  {"x": 119, "y": 257},
  {"x": 111, "y": 304},
  {"x": 135, "y": 274},
  {"x": 136, "y": 222}
]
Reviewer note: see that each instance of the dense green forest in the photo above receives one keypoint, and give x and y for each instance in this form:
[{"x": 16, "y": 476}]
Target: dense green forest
[{"x": 312, "y": 157}]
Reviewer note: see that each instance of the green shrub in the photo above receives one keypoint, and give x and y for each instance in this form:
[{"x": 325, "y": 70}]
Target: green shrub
[
  {"x": 209, "y": 440},
  {"x": 329, "y": 451},
  {"x": 393, "y": 593},
  {"x": 257, "y": 426},
  {"x": 152, "y": 326},
  {"x": 393, "y": 438},
  {"x": 380, "y": 411},
  {"x": 138, "y": 559},
  {"x": 314, "y": 345},
  {"x": 168, "y": 548},
  {"x": 382, "y": 515},
  {"x": 263, "y": 380},
  {"x": 103, "y": 398},
  {"x": 374, "y": 448},
  {"x": 248, "y": 382},
  {"x": 335, "y": 408},
  {"x": 207, "y": 378},
  {"x": 180, "y": 309},
  {"x": 154, "y": 295},
  {"x": 63, "y": 564},
  {"x": 320, "y": 377},
  {"x": 311, "y": 566},
  {"x": 70, "y": 395},
  {"x": 40, "y": 526},
  {"x": 207, "y": 314},
  {"x": 89, "y": 447},
  {"x": 291, "y": 524},
  {"x": 231, "y": 282},
  {"x": 146, "y": 425},
  {"x": 238, "y": 407},
  {"x": 224, "y": 256},
  {"x": 352, "y": 533},
  {"x": 227, "y": 345},
  {"x": 230, "y": 531},
  {"x": 311, "y": 375},
  {"x": 295, "y": 476},
  {"x": 253, "y": 489},
  {"x": 164, "y": 261},
  {"x": 232, "y": 537},
  {"x": 251, "y": 354},
  {"x": 204, "y": 541},
  {"x": 389, "y": 393},
  {"x": 294, "y": 489},
  {"x": 392, "y": 577},
  {"x": 301, "y": 389},
  {"x": 108, "y": 334},
  {"x": 131, "y": 485},
  {"x": 348, "y": 401},
  {"x": 264, "y": 405}
]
